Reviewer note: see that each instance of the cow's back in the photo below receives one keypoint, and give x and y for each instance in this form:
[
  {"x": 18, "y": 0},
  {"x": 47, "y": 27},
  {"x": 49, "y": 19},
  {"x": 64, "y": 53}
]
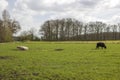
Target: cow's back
[{"x": 100, "y": 44}]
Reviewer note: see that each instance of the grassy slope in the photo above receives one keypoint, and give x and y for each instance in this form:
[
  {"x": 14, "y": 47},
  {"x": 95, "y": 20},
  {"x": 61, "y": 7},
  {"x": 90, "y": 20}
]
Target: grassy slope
[{"x": 76, "y": 61}]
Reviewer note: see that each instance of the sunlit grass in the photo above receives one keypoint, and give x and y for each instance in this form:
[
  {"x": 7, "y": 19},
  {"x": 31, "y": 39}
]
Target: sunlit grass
[{"x": 60, "y": 61}]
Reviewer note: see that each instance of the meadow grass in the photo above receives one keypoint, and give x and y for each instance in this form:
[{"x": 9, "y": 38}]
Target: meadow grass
[{"x": 59, "y": 61}]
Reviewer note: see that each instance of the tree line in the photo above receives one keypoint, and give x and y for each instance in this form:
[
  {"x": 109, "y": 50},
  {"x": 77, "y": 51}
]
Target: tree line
[
  {"x": 72, "y": 29},
  {"x": 66, "y": 29}
]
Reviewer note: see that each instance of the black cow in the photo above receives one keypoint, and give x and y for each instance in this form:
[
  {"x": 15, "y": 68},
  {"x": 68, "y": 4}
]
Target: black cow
[{"x": 100, "y": 44}]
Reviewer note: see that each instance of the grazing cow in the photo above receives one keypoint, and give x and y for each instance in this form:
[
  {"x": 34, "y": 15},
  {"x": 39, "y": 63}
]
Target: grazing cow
[{"x": 100, "y": 44}]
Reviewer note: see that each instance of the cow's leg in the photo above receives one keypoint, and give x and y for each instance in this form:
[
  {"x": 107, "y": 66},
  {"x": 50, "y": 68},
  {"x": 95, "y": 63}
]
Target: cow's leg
[{"x": 97, "y": 47}]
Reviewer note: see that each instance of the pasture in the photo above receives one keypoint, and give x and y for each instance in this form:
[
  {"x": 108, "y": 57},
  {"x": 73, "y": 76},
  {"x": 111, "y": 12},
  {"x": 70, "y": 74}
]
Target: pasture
[{"x": 59, "y": 61}]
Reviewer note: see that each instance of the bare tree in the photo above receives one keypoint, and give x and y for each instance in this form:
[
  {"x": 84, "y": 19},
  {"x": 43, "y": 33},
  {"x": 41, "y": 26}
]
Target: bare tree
[
  {"x": 71, "y": 29},
  {"x": 118, "y": 30},
  {"x": 8, "y": 27}
]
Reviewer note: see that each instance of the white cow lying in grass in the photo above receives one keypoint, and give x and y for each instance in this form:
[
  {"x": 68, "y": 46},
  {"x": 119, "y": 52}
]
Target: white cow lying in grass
[{"x": 22, "y": 47}]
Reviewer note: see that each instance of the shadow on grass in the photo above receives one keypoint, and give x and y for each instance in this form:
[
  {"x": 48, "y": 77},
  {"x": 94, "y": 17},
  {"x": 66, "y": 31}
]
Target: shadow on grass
[
  {"x": 59, "y": 49},
  {"x": 14, "y": 49},
  {"x": 6, "y": 57},
  {"x": 17, "y": 50}
]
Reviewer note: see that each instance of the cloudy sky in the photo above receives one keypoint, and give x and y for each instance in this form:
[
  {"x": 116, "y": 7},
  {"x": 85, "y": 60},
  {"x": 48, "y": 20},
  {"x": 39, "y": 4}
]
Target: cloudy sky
[{"x": 32, "y": 13}]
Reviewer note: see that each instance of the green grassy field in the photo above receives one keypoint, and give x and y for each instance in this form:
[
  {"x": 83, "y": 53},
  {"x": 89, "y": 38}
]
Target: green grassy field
[{"x": 74, "y": 61}]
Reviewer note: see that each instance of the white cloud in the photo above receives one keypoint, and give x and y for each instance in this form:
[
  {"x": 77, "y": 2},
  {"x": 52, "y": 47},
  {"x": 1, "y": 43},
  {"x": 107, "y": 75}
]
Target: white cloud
[
  {"x": 3, "y": 5},
  {"x": 31, "y": 13},
  {"x": 110, "y": 3},
  {"x": 23, "y": 14},
  {"x": 114, "y": 19}
]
